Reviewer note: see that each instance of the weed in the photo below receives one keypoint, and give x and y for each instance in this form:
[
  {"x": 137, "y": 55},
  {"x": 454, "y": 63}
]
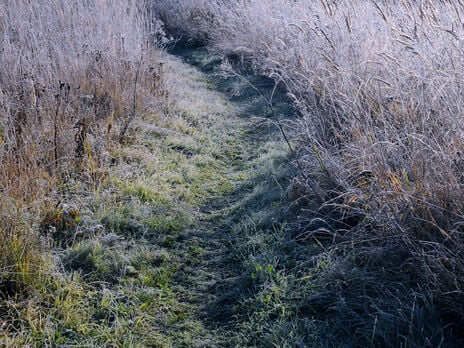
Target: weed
[
  {"x": 61, "y": 224},
  {"x": 71, "y": 73}
]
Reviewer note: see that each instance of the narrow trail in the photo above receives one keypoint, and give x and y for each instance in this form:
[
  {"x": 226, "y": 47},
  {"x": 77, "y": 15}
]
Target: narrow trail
[
  {"x": 182, "y": 240},
  {"x": 191, "y": 205},
  {"x": 237, "y": 171}
]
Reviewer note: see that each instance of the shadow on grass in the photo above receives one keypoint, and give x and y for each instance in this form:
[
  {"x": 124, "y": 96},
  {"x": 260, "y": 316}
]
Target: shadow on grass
[
  {"x": 245, "y": 221},
  {"x": 235, "y": 88},
  {"x": 280, "y": 292}
]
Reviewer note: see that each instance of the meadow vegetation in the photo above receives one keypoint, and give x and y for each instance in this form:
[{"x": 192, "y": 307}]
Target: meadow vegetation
[
  {"x": 378, "y": 142},
  {"x": 140, "y": 206},
  {"x": 74, "y": 76},
  {"x": 123, "y": 170}
]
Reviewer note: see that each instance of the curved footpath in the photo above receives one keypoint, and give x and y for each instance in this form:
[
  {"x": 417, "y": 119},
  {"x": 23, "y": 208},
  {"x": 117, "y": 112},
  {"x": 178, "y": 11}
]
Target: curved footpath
[
  {"x": 175, "y": 244},
  {"x": 191, "y": 205},
  {"x": 235, "y": 169}
]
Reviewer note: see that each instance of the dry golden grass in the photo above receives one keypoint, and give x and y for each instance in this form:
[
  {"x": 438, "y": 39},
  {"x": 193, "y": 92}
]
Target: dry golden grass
[
  {"x": 73, "y": 77},
  {"x": 380, "y": 134}
]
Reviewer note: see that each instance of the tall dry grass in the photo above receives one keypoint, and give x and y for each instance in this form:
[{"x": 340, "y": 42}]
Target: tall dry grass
[
  {"x": 73, "y": 76},
  {"x": 381, "y": 133}
]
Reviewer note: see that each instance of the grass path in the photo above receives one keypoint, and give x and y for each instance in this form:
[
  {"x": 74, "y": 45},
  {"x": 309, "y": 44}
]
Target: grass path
[
  {"x": 224, "y": 169},
  {"x": 190, "y": 202},
  {"x": 171, "y": 246}
]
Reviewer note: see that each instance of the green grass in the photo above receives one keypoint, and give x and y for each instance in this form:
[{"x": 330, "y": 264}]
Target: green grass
[
  {"x": 143, "y": 253},
  {"x": 192, "y": 242}
]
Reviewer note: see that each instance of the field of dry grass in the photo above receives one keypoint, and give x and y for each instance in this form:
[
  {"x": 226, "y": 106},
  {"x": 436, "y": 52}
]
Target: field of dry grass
[
  {"x": 74, "y": 75},
  {"x": 121, "y": 171},
  {"x": 378, "y": 85},
  {"x": 127, "y": 196}
]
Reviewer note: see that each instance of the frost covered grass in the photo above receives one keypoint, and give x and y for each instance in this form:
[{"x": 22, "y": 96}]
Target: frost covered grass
[
  {"x": 74, "y": 75},
  {"x": 379, "y": 141}
]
